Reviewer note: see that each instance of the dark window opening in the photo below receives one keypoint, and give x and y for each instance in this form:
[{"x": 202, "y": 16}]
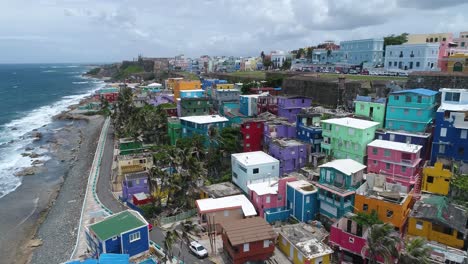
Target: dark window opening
[{"x": 430, "y": 179}]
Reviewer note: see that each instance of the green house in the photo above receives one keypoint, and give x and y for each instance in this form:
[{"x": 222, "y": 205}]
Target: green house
[
  {"x": 194, "y": 106},
  {"x": 371, "y": 109},
  {"x": 174, "y": 129},
  {"x": 130, "y": 146},
  {"x": 347, "y": 138}
]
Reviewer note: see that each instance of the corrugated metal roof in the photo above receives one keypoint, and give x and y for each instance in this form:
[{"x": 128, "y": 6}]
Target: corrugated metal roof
[
  {"x": 248, "y": 230},
  {"x": 420, "y": 91}
]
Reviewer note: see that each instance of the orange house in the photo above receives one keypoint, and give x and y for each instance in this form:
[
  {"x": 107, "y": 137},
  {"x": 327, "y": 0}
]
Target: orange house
[
  {"x": 181, "y": 85},
  {"x": 392, "y": 205}
]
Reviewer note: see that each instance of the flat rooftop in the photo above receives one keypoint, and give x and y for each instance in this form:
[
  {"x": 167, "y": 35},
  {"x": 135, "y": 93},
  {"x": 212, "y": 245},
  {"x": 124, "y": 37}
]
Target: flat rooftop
[
  {"x": 254, "y": 158},
  {"x": 303, "y": 186},
  {"x": 223, "y": 189},
  {"x": 117, "y": 224},
  {"x": 307, "y": 239},
  {"x": 347, "y": 166},
  {"x": 205, "y": 119},
  {"x": 263, "y": 188},
  {"x": 404, "y": 147},
  {"x": 351, "y": 122},
  {"x": 215, "y": 204},
  {"x": 284, "y": 142}
]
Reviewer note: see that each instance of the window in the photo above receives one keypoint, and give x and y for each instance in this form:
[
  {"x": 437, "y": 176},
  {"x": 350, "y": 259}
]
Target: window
[
  {"x": 443, "y": 132},
  {"x": 351, "y": 240},
  {"x": 392, "y": 137},
  {"x": 452, "y": 97},
  {"x": 389, "y": 64},
  {"x": 389, "y": 213},
  {"x": 299, "y": 257},
  {"x": 114, "y": 238},
  {"x": 390, "y": 124},
  {"x": 268, "y": 199},
  {"x": 463, "y": 134},
  {"x": 242, "y": 168},
  {"x": 375, "y": 151},
  {"x": 396, "y": 97},
  {"x": 403, "y": 168},
  {"x": 247, "y": 145},
  {"x": 365, "y": 207},
  {"x": 266, "y": 243},
  {"x": 350, "y": 131},
  {"x": 375, "y": 162},
  {"x": 247, "y": 136},
  {"x": 406, "y": 111},
  {"x": 387, "y": 153},
  {"x": 234, "y": 175},
  {"x": 394, "y": 64},
  {"x": 441, "y": 148},
  {"x": 361, "y": 107},
  {"x": 387, "y": 166},
  {"x": 246, "y": 247},
  {"x": 461, "y": 151},
  {"x": 408, "y": 140},
  {"x": 418, "y": 64},
  {"x": 255, "y": 171},
  {"x": 307, "y": 200},
  {"x": 226, "y": 213},
  {"x": 430, "y": 179},
  {"x": 419, "y": 225},
  {"x": 419, "y": 113},
  {"x": 134, "y": 237}
]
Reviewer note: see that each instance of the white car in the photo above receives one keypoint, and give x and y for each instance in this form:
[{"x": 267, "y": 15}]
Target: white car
[{"x": 197, "y": 249}]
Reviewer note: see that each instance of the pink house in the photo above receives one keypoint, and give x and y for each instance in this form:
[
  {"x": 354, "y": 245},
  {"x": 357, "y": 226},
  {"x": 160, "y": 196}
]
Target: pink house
[
  {"x": 348, "y": 236},
  {"x": 400, "y": 162},
  {"x": 266, "y": 195}
]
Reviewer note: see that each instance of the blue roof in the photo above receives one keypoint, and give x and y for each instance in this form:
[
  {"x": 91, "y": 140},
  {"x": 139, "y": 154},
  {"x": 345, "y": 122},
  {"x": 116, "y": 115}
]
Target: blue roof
[
  {"x": 420, "y": 91},
  {"x": 363, "y": 98}
]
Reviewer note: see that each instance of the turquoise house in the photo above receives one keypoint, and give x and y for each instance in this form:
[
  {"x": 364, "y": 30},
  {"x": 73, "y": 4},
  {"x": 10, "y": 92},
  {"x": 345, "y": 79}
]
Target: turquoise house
[
  {"x": 411, "y": 110},
  {"x": 205, "y": 125},
  {"x": 338, "y": 182}
]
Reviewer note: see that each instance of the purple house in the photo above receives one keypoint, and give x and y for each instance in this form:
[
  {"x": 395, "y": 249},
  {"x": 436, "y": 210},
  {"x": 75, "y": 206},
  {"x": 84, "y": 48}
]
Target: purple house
[
  {"x": 291, "y": 153},
  {"x": 134, "y": 183},
  {"x": 161, "y": 98},
  {"x": 289, "y": 107},
  {"x": 278, "y": 129}
]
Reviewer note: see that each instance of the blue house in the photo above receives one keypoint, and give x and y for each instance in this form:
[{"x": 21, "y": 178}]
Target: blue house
[
  {"x": 421, "y": 139},
  {"x": 451, "y": 129},
  {"x": 411, "y": 110},
  {"x": 208, "y": 83},
  {"x": 203, "y": 125},
  {"x": 123, "y": 233},
  {"x": 301, "y": 200},
  {"x": 309, "y": 130},
  {"x": 338, "y": 182}
]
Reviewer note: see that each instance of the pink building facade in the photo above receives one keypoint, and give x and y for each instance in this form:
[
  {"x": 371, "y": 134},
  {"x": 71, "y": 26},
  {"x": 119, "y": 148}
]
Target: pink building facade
[
  {"x": 400, "y": 162},
  {"x": 267, "y": 195}
]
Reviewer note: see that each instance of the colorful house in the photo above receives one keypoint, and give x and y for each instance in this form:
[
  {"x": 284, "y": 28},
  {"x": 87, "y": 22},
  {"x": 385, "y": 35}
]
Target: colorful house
[
  {"x": 180, "y": 85},
  {"x": 267, "y": 103},
  {"x": 279, "y": 128},
  {"x": 122, "y": 233},
  {"x": 436, "y": 179},
  {"x": 371, "y": 109},
  {"x": 436, "y": 219},
  {"x": 109, "y": 94},
  {"x": 411, "y": 110},
  {"x": 221, "y": 95},
  {"x": 253, "y": 167},
  {"x": 291, "y": 153},
  {"x": 421, "y": 139},
  {"x": 196, "y": 106},
  {"x": 308, "y": 129},
  {"x": 289, "y": 107},
  {"x": 221, "y": 210},
  {"x": 129, "y": 146},
  {"x": 392, "y": 204},
  {"x": 302, "y": 200},
  {"x": 134, "y": 163},
  {"x": 270, "y": 90},
  {"x": 451, "y": 130},
  {"x": 192, "y": 93},
  {"x": 303, "y": 244},
  {"x": 135, "y": 183},
  {"x": 458, "y": 62},
  {"x": 248, "y": 240},
  {"x": 209, "y": 83},
  {"x": 202, "y": 125},
  {"x": 350, "y": 238},
  {"x": 248, "y": 104},
  {"x": 270, "y": 194},
  {"x": 174, "y": 129},
  {"x": 338, "y": 181},
  {"x": 347, "y": 138},
  {"x": 170, "y": 82},
  {"x": 252, "y": 134},
  {"x": 400, "y": 162}
]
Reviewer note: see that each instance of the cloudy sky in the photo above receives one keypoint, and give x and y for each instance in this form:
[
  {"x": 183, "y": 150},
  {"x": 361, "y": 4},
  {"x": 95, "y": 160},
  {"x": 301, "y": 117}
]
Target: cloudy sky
[{"x": 112, "y": 30}]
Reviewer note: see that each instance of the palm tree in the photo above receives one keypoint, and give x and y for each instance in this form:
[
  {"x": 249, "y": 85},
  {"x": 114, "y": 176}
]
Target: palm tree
[
  {"x": 415, "y": 251},
  {"x": 170, "y": 239},
  {"x": 382, "y": 241}
]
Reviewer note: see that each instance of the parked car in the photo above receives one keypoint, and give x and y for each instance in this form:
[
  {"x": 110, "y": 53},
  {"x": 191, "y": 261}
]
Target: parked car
[
  {"x": 150, "y": 227},
  {"x": 365, "y": 72},
  {"x": 352, "y": 72},
  {"x": 198, "y": 250},
  {"x": 405, "y": 74}
]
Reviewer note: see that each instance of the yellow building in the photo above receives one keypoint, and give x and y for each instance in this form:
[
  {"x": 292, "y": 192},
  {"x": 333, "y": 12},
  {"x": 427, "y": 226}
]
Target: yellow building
[
  {"x": 436, "y": 179},
  {"x": 224, "y": 86},
  {"x": 302, "y": 243},
  {"x": 170, "y": 83},
  {"x": 134, "y": 163},
  {"x": 437, "y": 220},
  {"x": 391, "y": 206},
  {"x": 428, "y": 38},
  {"x": 458, "y": 63},
  {"x": 181, "y": 85}
]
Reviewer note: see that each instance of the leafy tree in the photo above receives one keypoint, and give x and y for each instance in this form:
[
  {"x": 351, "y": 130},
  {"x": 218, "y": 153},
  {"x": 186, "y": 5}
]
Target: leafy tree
[
  {"x": 415, "y": 251},
  {"x": 286, "y": 65},
  {"x": 123, "y": 113},
  {"x": 382, "y": 241},
  {"x": 300, "y": 53},
  {"x": 153, "y": 124},
  {"x": 395, "y": 39},
  {"x": 310, "y": 50},
  {"x": 105, "y": 107},
  {"x": 364, "y": 219},
  {"x": 170, "y": 239}
]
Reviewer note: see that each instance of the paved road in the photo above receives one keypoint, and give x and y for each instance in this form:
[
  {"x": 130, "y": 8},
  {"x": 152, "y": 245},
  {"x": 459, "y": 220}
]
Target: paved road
[{"x": 104, "y": 193}]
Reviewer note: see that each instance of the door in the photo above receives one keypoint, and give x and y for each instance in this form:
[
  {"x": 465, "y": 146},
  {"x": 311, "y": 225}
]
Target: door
[
  {"x": 291, "y": 251},
  {"x": 371, "y": 112}
]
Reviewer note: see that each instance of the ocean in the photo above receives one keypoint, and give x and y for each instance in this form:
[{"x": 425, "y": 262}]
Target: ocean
[{"x": 30, "y": 95}]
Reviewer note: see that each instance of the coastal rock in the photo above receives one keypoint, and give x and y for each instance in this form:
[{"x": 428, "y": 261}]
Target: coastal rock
[
  {"x": 28, "y": 149},
  {"x": 36, "y": 135},
  {"x": 37, "y": 162},
  {"x": 35, "y": 243},
  {"x": 34, "y": 155},
  {"x": 14, "y": 128},
  {"x": 26, "y": 172}
]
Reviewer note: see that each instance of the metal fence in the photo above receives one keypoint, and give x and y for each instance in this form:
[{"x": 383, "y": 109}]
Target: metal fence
[{"x": 179, "y": 217}]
